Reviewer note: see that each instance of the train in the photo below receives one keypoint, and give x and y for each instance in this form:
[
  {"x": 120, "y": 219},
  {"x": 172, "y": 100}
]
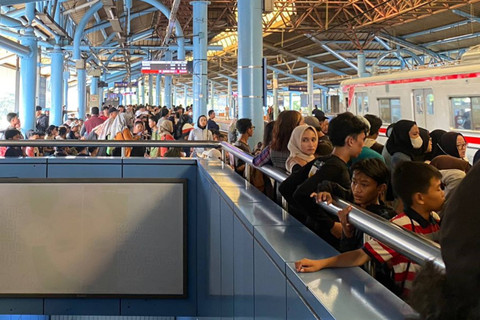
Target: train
[{"x": 445, "y": 97}]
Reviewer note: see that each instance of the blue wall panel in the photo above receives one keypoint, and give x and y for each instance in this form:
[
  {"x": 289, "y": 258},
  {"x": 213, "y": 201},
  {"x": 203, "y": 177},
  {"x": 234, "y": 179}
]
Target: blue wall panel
[
  {"x": 226, "y": 242},
  {"x": 23, "y": 168},
  {"x": 84, "y": 171},
  {"x": 270, "y": 287},
  {"x": 82, "y": 306},
  {"x": 21, "y": 306},
  {"x": 209, "y": 288},
  {"x": 296, "y": 308},
  {"x": 243, "y": 271}
]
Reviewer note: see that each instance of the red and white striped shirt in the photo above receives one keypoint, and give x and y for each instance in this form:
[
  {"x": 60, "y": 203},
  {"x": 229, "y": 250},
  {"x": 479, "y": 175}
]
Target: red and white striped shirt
[{"x": 382, "y": 253}]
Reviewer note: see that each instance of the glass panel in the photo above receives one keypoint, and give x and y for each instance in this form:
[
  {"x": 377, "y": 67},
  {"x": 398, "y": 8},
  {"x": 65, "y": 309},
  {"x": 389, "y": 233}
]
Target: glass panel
[
  {"x": 418, "y": 96},
  {"x": 365, "y": 103},
  {"x": 359, "y": 102},
  {"x": 396, "y": 110},
  {"x": 461, "y": 108},
  {"x": 384, "y": 108},
  {"x": 475, "y": 118},
  {"x": 429, "y": 101}
]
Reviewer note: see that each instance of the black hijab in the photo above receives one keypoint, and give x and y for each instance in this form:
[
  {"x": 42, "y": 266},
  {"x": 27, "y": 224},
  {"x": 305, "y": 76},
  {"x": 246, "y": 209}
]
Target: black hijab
[
  {"x": 448, "y": 144},
  {"x": 399, "y": 139},
  {"x": 421, "y": 154},
  {"x": 198, "y": 122},
  {"x": 436, "y": 135}
]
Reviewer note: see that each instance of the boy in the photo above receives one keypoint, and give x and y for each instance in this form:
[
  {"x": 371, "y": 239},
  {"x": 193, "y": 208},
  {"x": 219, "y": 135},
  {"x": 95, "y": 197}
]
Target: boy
[
  {"x": 369, "y": 182},
  {"x": 418, "y": 185},
  {"x": 13, "y": 152},
  {"x": 245, "y": 128}
]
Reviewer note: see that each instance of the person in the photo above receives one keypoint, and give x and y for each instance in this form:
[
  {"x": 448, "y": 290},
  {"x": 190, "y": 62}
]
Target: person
[
  {"x": 454, "y": 294},
  {"x": 200, "y": 133},
  {"x": 370, "y": 178},
  {"x": 453, "y": 144},
  {"x": 155, "y": 135},
  {"x": 41, "y": 120},
  {"x": 105, "y": 113},
  {"x": 33, "y": 151},
  {"x": 402, "y": 143},
  {"x": 367, "y": 153},
  {"x": 227, "y": 112},
  {"x": 302, "y": 146},
  {"x": 74, "y": 130},
  {"x": 324, "y": 146},
  {"x": 245, "y": 128},
  {"x": 162, "y": 116},
  {"x": 211, "y": 124},
  {"x": 13, "y": 152},
  {"x": 419, "y": 186},
  {"x": 317, "y": 113},
  {"x": 371, "y": 139},
  {"x": 435, "y": 135},
  {"x": 165, "y": 132},
  {"x": 347, "y": 134},
  {"x": 92, "y": 122},
  {"x": 277, "y": 153},
  {"x": 138, "y": 134}
]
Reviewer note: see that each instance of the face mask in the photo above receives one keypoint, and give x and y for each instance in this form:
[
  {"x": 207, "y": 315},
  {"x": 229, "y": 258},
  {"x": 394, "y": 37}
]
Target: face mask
[{"x": 417, "y": 142}]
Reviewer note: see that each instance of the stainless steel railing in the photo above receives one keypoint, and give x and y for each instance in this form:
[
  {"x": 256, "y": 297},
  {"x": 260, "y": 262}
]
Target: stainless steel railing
[{"x": 411, "y": 245}]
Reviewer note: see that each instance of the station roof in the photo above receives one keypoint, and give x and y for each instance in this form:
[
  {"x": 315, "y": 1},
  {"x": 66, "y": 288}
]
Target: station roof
[{"x": 393, "y": 35}]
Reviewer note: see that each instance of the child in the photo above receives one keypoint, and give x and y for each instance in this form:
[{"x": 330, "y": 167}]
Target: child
[
  {"x": 418, "y": 185},
  {"x": 369, "y": 183},
  {"x": 13, "y": 152}
]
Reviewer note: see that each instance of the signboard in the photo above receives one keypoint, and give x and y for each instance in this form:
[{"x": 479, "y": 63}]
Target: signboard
[
  {"x": 164, "y": 67},
  {"x": 125, "y": 84},
  {"x": 298, "y": 88}
]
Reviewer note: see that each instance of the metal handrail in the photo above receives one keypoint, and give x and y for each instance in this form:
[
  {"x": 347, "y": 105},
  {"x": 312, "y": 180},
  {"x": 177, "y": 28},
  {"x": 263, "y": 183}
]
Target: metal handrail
[
  {"x": 407, "y": 243},
  {"x": 411, "y": 245},
  {"x": 109, "y": 143}
]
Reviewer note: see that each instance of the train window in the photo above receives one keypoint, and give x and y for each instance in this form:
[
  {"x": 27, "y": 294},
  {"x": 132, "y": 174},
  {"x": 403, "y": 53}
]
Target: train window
[
  {"x": 429, "y": 101},
  {"x": 362, "y": 102},
  {"x": 390, "y": 110},
  {"x": 466, "y": 112}
]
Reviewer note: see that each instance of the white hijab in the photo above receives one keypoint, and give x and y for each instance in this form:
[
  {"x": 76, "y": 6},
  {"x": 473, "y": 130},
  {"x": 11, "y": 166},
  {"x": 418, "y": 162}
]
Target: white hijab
[{"x": 294, "y": 146}]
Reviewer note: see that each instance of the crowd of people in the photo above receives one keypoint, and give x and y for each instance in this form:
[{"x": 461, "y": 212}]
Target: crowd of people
[
  {"x": 408, "y": 181},
  {"x": 117, "y": 123}
]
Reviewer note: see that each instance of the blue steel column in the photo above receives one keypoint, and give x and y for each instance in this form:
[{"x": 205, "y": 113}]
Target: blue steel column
[
  {"x": 56, "y": 84},
  {"x": 66, "y": 77},
  {"x": 158, "y": 84},
  {"x": 212, "y": 95},
  {"x": 324, "y": 101},
  {"x": 229, "y": 98},
  {"x": 142, "y": 91},
  {"x": 174, "y": 100},
  {"x": 200, "y": 64},
  {"x": 150, "y": 89},
  {"x": 101, "y": 90},
  {"x": 185, "y": 95},
  {"x": 310, "y": 89},
  {"x": 28, "y": 73},
  {"x": 275, "y": 95},
  {"x": 250, "y": 72},
  {"x": 362, "y": 72},
  {"x": 94, "y": 88},
  {"x": 168, "y": 83}
]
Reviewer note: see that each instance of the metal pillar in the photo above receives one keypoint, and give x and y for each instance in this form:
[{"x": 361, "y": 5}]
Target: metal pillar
[
  {"x": 28, "y": 75},
  {"x": 174, "y": 100},
  {"x": 17, "y": 84},
  {"x": 185, "y": 95},
  {"x": 94, "y": 89},
  {"x": 362, "y": 71},
  {"x": 310, "y": 89},
  {"x": 200, "y": 18},
  {"x": 142, "y": 91},
  {"x": 275, "y": 95},
  {"x": 211, "y": 95},
  {"x": 158, "y": 91},
  {"x": 56, "y": 85},
  {"x": 66, "y": 77},
  {"x": 168, "y": 83},
  {"x": 324, "y": 101},
  {"x": 101, "y": 91},
  {"x": 250, "y": 72},
  {"x": 150, "y": 89},
  {"x": 82, "y": 87},
  {"x": 229, "y": 98}
]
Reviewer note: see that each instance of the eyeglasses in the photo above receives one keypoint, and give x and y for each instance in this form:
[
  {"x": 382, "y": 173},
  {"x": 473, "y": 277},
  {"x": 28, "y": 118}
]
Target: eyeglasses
[{"x": 462, "y": 146}]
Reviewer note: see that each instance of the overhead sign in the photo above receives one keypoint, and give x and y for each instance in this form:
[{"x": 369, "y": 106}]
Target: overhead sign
[
  {"x": 164, "y": 67},
  {"x": 298, "y": 88},
  {"x": 125, "y": 84}
]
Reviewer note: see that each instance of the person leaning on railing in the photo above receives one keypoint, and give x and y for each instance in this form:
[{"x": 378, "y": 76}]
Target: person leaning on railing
[{"x": 419, "y": 187}]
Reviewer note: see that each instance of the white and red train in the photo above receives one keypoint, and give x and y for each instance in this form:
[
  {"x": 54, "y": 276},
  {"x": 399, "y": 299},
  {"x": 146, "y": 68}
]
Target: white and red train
[{"x": 436, "y": 98}]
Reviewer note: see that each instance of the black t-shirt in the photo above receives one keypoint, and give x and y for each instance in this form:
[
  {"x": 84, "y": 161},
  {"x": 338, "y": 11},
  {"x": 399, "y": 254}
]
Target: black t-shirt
[{"x": 296, "y": 189}]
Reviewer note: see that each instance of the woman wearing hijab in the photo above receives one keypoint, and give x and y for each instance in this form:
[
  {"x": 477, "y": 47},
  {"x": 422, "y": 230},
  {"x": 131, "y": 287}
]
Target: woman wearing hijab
[
  {"x": 200, "y": 133},
  {"x": 421, "y": 154},
  {"x": 302, "y": 146},
  {"x": 452, "y": 144},
  {"x": 404, "y": 142},
  {"x": 165, "y": 130},
  {"x": 436, "y": 135}
]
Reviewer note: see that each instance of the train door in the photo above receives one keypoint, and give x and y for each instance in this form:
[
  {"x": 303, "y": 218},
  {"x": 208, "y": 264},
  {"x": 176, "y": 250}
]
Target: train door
[
  {"x": 361, "y": 100},
  {"x": 423, "y": 105},
  {"x": 334, "y": 104}
]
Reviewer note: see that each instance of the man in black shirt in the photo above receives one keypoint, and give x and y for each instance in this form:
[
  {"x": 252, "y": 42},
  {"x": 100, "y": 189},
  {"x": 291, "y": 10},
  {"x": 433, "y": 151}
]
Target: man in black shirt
[
  {"x": 245, "y": 128},
  {"x": 211, "y": 124},
  {"x": 347, "y": 134}
]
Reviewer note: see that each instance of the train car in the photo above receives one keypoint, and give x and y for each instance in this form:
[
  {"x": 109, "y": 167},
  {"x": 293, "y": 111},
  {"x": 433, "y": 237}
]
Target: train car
[{"x": 445, "y": 97}]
